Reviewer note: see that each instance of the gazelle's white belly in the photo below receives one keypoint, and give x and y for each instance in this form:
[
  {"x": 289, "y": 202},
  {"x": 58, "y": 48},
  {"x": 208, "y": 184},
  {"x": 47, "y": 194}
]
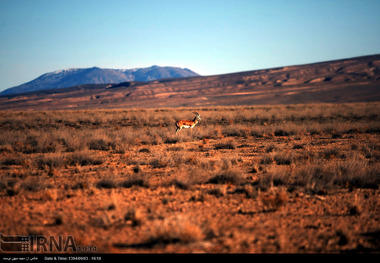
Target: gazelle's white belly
[{"x": 186, "y": 126}]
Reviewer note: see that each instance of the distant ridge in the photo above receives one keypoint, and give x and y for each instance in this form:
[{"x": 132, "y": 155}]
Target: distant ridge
[
  {"x": 79, "y": 76},
  {"x": 339, "y": 81}
]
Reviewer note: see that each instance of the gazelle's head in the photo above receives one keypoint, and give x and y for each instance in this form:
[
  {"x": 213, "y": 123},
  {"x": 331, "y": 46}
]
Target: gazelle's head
[{"x": 198, "y": 117}]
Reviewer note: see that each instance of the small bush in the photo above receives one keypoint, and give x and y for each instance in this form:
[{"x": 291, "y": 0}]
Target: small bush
[
  {"x": 177, "y": 230},
  {"x": 355, "y": 172},
  {"x": 228, "y": 145},
  {"x": 171, "y": 140},
  {"x": 49, "y": 160},
  {"x": 12, "y": 161},
  {"x": 316, "y": 179},
  {"x": 85, "y": 158},
  {"x": 273, "y": 200},
  {"x": 33, "y": 184},
  {"x": 159, "y": 162},
  {"x": 266, "y": 159},
  {"x": 227, "y": 176},
  {"x": 107, "y": 183},
  {"x": 298, "y": 146},
  {"x": 135, "y": 181},
  {"x": 270, "y": 148},
  {"x": 99, "y": 144},
  {"x": 218, "y": 192},
  {"x": 329, "y": 153},
  {"x": 275, "y": 176},
  {"x": 283, "y": 159},
  {"x": 280, "y": 132},
  {"x": 180, "y": 184}
]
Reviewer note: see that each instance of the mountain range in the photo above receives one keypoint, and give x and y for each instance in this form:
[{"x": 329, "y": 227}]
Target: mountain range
[
  {"x": 79, "y": 76},
  {"x": 339, "y": 81}
]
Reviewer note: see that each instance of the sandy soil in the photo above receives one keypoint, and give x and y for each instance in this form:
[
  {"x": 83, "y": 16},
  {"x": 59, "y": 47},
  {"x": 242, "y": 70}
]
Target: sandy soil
[{"x": 181, "y": 209}]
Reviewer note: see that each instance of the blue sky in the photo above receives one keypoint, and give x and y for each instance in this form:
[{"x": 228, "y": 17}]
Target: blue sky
[{"x": 209, "y": 37}]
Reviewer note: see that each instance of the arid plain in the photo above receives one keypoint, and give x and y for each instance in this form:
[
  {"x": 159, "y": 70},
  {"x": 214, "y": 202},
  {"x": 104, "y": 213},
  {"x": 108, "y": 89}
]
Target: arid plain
[
  {"x": 346, "y": 80},
  {"x": 253, "y": 179}
]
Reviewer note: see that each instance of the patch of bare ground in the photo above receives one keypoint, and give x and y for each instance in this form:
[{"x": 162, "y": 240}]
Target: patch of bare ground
[{"x": 262, "y": 179}]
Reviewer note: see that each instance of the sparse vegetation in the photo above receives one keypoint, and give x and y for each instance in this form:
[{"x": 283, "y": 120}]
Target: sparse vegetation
[{"x": 240, "y": 167}]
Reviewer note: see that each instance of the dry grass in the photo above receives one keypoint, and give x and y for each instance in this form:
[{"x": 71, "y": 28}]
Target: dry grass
[
  {"x": 174, "y": 230},
  {"x": 273, "y": 199},
  {"x": 236, "y": 164},
  {"x": 53, "y": 141}
]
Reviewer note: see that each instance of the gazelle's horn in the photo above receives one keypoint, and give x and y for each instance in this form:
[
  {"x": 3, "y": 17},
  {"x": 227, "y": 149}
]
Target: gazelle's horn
[{"x": 196, "y": 113}]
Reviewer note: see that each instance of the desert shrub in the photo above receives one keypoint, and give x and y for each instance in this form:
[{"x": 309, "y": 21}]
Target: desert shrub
[
  {"x": 107, "y": 183},
  {"x": 135, "y": 180},
  {"x": 144, "y": 150},
  {"x": 298, "y": 146},
  {"x": 270, "y": 148},
  {"x": 284, "y": 158},
  {"x": 218, "y": 192},
  {"x": 71, "y": 141},
  {"x": 227, "y": 145},
  {"x": 281, "y": 132},
  {"x": 314, "y": 178},
  {"x": 85, "y": 158},
  {"x": 180, "y": 184},
  {"x": 257, "y": 132},
  {"x": 228, "y": 176},
  {"x": 275, "y": 176},
  {"x": 191, "y": 175},
  {"x": 41, "y": 142},
  {"x": 228, "y": 163},
  {"x": 13, "y": 161},
  {"x": 177, "y": 230},
  {"x": 336, "y": 134},
  {"x": 159, "y": 162},
  {"x": 266, "y": 159},
  {"x": 126, "y": 136},
  {"x": 274, "y": 199},
  {"x": 49, "y": 160},
  {"x": 171, "y": 140},
  {"x": 329, "y": 153},
  {"x": 371, "y": 151},
  {"x": 11, "y": 186},
  {"x": 99, "y": 144},
  {"x": 355, "y": 172},
  {"x": 236, "y": 131},
  {"x": 33, "y": 184}
]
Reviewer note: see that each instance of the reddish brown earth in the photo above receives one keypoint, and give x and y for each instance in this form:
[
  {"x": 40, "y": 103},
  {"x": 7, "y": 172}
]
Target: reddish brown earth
[
  {"x": 263, "y": 179},
  {"x": 349, "y": 80}
]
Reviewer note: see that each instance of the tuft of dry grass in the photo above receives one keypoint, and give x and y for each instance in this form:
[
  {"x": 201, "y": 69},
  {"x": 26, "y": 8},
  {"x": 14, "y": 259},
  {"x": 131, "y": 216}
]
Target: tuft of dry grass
[
  {"x": 174, "y": 230},
  {"x": 83, "y": 158},
  {"x": 106, "y": 183},
  {"x": 227, "y": 176},
  {"x": 135, "y": 180},
  {"x": 274, "y": 199},
  {"x": 227, "y": 145}
]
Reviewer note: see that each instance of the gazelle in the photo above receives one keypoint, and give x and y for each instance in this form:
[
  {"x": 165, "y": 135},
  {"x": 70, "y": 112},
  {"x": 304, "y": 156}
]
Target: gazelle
[{"x": 187, "y": 124}]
